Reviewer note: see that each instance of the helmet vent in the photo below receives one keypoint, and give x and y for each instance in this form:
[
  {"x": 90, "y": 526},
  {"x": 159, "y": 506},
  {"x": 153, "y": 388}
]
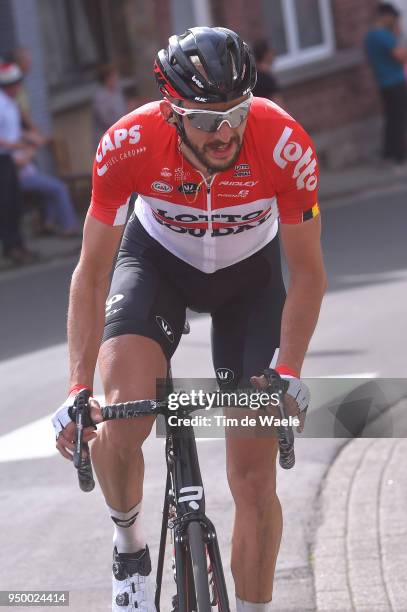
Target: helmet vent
[
  {"x": 234, "y": 71},
  {"x": 198, "y": 66}
]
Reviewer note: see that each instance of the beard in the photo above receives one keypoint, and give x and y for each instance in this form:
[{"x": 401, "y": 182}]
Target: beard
[{"x": 201, "y": 153}]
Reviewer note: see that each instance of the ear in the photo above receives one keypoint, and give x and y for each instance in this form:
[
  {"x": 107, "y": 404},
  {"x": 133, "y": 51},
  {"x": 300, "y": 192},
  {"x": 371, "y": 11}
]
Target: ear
[{"x": 167, "y": 112}]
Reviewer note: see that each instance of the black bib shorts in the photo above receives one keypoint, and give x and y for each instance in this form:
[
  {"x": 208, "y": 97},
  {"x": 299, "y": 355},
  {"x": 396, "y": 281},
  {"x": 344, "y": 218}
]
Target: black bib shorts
[{"x": 152, "y": 288}]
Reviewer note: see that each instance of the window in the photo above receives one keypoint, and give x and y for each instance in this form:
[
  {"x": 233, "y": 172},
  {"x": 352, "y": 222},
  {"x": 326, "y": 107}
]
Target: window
[
  {"x": 299, "y": 31},
  {"x": 78, "y": 38}
]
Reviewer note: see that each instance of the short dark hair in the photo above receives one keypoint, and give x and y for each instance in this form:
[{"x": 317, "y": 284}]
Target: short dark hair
[
  {"x": 260, "y": 49},
  {"x": 387, "y": 8}
]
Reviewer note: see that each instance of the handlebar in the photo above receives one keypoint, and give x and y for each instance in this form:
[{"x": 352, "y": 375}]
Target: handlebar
[{"x": 139, "y": 408}]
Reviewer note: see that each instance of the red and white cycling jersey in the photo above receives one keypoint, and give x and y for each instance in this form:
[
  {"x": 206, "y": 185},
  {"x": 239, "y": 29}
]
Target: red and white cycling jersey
[{"x": 275, "y": 176}]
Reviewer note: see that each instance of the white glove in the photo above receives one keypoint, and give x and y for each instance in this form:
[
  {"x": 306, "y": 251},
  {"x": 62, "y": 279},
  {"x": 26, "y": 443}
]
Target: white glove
[
  {"x": 298, "y": 391},
  {"x": 60, "y": 418}
]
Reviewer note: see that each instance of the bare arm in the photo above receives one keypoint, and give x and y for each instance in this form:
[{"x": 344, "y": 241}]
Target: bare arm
[
  {"x": 306, "y": 288},
  {"x": 12, "y": 146},
  {"x": 89, "y": 288}
]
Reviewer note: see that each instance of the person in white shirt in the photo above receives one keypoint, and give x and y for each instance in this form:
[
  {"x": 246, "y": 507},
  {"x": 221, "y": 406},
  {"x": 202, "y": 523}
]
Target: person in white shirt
[
  {"x": 22, "y": 144},
  {"x": 11, "y": 197}
]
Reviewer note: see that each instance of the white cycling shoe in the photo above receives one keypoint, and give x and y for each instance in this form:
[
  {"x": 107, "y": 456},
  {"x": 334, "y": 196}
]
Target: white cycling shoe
[{"x": 133, "y": 588}]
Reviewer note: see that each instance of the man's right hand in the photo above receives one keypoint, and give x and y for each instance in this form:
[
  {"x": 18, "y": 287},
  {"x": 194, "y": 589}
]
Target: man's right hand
[{"x": 65, "y": 428}]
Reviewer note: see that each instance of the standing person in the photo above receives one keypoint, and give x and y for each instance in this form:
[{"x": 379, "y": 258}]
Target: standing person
[
  {"x": 10, "y": 193},
  {"x": 215, "y": 171},
  {"x": 109, "y": 103},
  {"x": 387, "y": 57},
  {"x": 266, "y": 85}
]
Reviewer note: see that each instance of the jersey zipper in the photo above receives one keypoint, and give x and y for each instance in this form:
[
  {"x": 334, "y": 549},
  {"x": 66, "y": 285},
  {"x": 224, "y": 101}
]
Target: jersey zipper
[{"x": 208, "y": 200}]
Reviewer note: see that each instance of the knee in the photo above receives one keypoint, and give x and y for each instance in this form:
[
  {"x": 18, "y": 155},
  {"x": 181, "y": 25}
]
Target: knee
[
  {"x": 252, "y": 486},
  {"x": 125, "y": 438}
]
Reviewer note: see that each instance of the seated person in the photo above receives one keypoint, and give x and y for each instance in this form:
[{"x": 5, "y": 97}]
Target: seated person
[{"x": 23, "y": 145}]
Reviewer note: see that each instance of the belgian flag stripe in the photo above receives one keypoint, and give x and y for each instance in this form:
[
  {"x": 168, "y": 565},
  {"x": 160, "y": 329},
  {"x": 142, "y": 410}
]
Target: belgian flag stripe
[{"x": 311, "y": 213}]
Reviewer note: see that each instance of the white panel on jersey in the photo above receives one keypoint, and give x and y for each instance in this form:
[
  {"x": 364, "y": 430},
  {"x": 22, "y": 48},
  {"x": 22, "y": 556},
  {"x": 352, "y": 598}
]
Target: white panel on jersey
[
  {"x": 210, "y": 239},
  {"x": 121, "y": 214}
]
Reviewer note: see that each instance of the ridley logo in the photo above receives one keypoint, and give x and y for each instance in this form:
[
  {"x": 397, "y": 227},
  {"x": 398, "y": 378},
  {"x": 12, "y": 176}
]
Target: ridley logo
[
  {"x": 292, "y": 151},
  {"x": 161, "y": 187},
  {"x": 239, "y": 183},
  {"x": 166, "y": 172},
  {"x": 166, "y": 329},
  {"x": 225, "y": 374}
]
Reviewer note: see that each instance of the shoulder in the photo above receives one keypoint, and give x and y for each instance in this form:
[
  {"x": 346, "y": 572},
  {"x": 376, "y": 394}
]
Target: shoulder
[
  {"x": 145, "y": 119},
  {"x": 274, "y": 129},
  {"x": 131, "y": 137},
  {"x": 288, "y": 154},
  {"x": 380, "y": 36}
]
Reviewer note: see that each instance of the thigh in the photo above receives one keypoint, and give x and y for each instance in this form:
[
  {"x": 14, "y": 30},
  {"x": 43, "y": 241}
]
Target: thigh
[
  {"x": 143, "y": 303},
  {"x": 246, "y": 330},
  {"x": 130, "y": 366},
  {"x": 41, "y": 183}
]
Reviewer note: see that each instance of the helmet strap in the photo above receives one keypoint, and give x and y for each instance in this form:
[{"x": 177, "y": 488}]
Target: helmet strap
[{"x": 179, "y": 124}]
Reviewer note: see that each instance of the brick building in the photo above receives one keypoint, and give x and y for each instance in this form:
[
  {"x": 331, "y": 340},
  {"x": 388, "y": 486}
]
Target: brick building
[{"x": 327, "y": 84}]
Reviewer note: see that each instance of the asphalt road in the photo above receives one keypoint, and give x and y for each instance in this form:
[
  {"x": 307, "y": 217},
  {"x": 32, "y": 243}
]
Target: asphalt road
[{"x": 54, "y": 537}]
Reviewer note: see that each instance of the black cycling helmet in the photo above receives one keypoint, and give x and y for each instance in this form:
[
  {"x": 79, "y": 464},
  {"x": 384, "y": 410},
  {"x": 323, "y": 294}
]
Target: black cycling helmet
[{"x": 205, "y": 65}]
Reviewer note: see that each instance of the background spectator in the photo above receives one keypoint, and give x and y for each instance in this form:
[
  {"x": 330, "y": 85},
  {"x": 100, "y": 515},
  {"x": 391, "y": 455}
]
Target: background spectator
[
  {"x": 266, "y": 86},
  {"x": 23, "y": 145},
  {"x": 108, "y": 103},
  {"x": 387, "y": 57},
  {"x": 11, "y": 199},
  {"x": 22, "y": 57}
]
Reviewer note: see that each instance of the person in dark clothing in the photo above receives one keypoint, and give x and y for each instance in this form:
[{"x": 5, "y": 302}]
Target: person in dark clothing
[
  {"x": 10, "y": 213},
  {"x": 387, "y": 57},
  {"x": 266, "y": 85}
]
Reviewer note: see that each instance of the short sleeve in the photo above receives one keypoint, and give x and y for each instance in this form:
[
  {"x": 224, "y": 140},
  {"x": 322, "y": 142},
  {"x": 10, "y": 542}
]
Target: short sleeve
[
  {"x": 114, "y": 171},
  {"x": 295, "y": 174}
]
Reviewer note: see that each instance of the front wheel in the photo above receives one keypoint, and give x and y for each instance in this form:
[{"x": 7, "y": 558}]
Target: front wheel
[{"x": 197, "y": 551}]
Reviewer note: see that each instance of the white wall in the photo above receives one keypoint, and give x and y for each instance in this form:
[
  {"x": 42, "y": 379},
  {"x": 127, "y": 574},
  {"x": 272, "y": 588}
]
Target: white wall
[{"x": 402, "y": 5}]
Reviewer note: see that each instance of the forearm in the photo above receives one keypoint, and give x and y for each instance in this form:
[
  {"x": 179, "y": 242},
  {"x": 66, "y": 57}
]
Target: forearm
[
  {"x": 300, "y": 316},
  {"x": 11, "y": 146},
  {"x": 85, "y": 325}
]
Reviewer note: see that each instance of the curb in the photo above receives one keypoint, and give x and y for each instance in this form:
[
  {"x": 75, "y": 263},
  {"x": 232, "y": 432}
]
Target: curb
[{"x": 359, "y": 551}]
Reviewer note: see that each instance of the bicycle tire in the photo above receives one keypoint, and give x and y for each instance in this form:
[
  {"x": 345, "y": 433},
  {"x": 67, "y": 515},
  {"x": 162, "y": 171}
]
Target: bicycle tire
[{"x": 199, "y": 567}]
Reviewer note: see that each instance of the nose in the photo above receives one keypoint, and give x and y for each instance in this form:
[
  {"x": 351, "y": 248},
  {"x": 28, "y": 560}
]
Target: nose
[{"x": 224, "y": 132}]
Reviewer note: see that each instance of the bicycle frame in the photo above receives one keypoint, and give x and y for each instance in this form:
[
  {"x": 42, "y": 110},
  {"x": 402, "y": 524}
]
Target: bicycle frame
[{"x": 184, "y": 490}]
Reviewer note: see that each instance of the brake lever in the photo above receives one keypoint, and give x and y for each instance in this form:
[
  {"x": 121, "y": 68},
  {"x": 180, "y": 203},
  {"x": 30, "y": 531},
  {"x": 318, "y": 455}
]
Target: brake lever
[{"x": 82, "y": 419}]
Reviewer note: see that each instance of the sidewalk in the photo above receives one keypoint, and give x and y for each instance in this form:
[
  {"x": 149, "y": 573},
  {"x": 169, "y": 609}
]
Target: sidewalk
[
  {"x": 335, "y": 187},
  {"x": 359, "y": 555}
]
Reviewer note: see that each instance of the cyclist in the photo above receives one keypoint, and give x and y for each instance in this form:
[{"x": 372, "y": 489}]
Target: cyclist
[{"x": 214, "y": 169}]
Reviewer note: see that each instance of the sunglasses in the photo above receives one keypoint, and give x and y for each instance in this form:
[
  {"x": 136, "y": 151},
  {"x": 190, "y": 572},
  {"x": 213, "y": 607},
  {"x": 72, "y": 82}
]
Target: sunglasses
[{"x": 211, "y": 121}]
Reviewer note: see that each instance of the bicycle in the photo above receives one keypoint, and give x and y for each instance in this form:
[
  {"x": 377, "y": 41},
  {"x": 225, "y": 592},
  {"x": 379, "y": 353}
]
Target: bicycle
[{"x": 197, "y": 564}]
